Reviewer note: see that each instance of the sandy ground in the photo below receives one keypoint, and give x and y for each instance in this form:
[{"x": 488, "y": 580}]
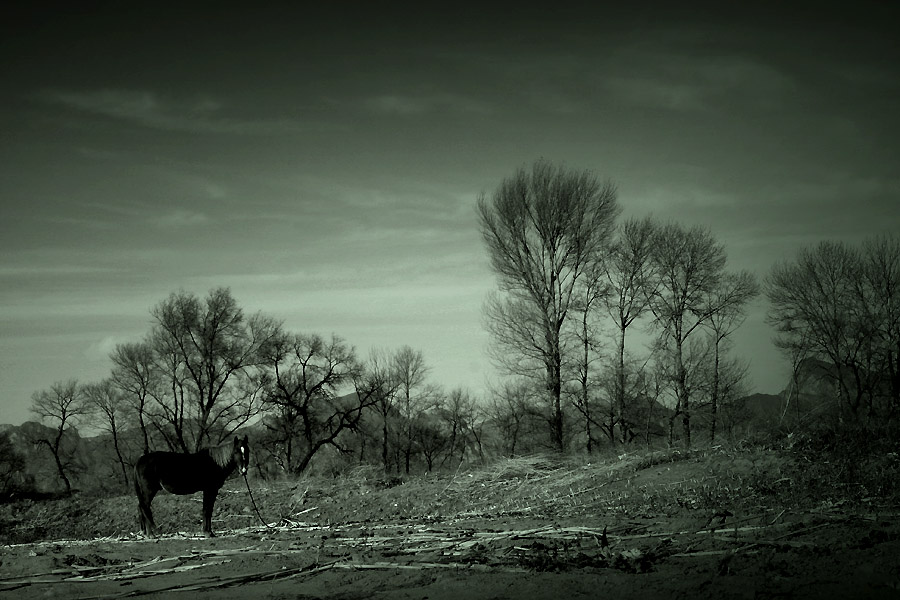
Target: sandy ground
[{"x": 812, "y": 555}]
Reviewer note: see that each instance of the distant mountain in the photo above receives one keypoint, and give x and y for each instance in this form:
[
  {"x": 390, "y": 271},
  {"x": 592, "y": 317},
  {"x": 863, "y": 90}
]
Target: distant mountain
[
  {"x": 763, "y": 408},
  {"x": 40, "y": 471},
  {"x": 805, "y": 397}
]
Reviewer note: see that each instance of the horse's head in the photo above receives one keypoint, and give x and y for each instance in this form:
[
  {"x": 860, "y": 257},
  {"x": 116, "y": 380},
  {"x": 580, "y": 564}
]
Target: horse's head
[{"x": 242, "y": 454}]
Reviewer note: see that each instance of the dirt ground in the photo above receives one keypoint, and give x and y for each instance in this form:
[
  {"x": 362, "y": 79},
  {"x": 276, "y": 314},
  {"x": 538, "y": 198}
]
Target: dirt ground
[{"x": 773, "y": 555}]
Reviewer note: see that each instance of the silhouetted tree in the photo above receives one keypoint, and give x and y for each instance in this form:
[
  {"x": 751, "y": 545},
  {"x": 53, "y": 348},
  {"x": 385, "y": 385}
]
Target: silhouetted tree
[
  {"x": 879, "y": 298},
  {"x": 544, "y": 229},
  {"x": 728, "y": 302},
  {"x": 511, "y": 412},
  {"x": 61, "y": 406},
  {"x": 688, "y": 265},
  {"x": 205, "y": 347},
  {"x": 309, "y": 387},
  {"x": 134, "y": 374},
  {"x": 107, "y": 401},
  {"x": 811, "y": 301},
  {"x": 628, "y": 270},
  {"x": 380, "y": 385},
  {"x": 841, "y": 304},
  {"x": 412, "y": 397}
]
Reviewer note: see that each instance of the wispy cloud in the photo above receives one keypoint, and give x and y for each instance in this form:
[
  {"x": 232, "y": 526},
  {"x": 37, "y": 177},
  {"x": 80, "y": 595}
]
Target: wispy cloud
[
  {"x": 54, "y": 270},
  {"x": 662, "y": 78},
  {"x": 149, "y": 109},
  {"x": 412, "y": 104},
  {"x": 181, "y": 218}
]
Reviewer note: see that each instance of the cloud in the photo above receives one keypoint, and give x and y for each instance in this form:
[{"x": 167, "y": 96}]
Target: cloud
[
  {"x": 660, "y": 78},
  {"x": 103, "y": 347},
  {"x": 53, "y": 270},
  {"x": 181, "y": 217},
  {"x": 148, "y": 109},
  {"x": 652, "y": 93},
  {"x": 409, "y": 105}
]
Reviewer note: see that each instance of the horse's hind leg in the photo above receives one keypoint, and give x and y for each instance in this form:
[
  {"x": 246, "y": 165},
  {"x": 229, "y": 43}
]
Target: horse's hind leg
[
  {"x": 209, "y": 499},
  {"x": 148, "y": 526},
  {"x": 145, "y": 498}
]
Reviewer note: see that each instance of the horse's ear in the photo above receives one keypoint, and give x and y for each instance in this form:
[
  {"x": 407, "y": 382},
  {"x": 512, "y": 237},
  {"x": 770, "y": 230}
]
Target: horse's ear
[
  {"x": 246, "y": 440},
  {"x": 237, "y": 442}
]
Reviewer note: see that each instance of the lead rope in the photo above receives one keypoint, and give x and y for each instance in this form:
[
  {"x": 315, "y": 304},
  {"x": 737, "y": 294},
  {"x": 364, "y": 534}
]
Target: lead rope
[{"x": 253, "y": 502}]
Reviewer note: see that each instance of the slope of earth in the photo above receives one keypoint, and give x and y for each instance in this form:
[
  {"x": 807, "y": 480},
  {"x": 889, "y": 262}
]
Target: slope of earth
[{"x": 726, "y": 524}]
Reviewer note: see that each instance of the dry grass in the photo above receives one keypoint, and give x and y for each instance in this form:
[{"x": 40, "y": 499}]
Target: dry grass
[{"x": 633, "y": 484}]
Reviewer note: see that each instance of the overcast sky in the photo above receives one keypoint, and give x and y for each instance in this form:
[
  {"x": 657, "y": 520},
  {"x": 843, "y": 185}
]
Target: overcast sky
[{"x": 325, "y": 165}]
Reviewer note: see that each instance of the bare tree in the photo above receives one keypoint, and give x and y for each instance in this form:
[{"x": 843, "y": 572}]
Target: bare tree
[
  {"x": 108, "y": 401},
  {"x": 458, "y": 411},
  {"x": 380, "y": 386},
  {"x": 412, "y": 397},
  {"x": 732, "y": 394},
  {"x": 134, "y": 374},
  {"x": 544, "y": 228},
  {"x": 839, "y": 304},
  {"x": 511, "y": 411},
  {"x": 879, "y": 298},
  {"x": 431, "y": 438},
  {"x": 628, "y": 273},
  {"x": 688, "y": 265},
  {"x": 207, "y": 347},
  {"x": 592, "y": 291},
  {"x": 62, "y": 405},
  {"x": 309, "y": 386},
  {"x": 727, "y": 304},
  {"x": 811, "y": 304}
]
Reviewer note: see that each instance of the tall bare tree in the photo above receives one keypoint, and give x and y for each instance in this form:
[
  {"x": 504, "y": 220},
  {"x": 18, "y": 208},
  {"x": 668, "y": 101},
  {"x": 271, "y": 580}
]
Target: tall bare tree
[
  {"x": 630, "y": 281},
  {"x": 592, "y": 291},
  {"x": 727, "y": 304},
  {"x": 62, "y": 406},
  {"x": 380, "y": 386},
  {"x": 544, "y": 228},
  {"x": 509, "y": 411},
  {"x": 811, "y": 302},
  {"x": 689, "y": 265},
  {"x": 411, "y": 373},
  {"x": 109, "y": 402},
  {"x": 459, "y": 411},
  {"x": 309, "y": 383},
  {"x": 880, "y": 300},
  {"x": 840, "y": 304},
  {"x": 134, "y": 374},
  {"x": 206, "y": 347}
]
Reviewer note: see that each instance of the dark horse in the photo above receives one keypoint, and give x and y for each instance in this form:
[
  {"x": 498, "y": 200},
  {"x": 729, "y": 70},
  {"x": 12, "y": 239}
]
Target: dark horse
[{"x": 179, "y": 473}]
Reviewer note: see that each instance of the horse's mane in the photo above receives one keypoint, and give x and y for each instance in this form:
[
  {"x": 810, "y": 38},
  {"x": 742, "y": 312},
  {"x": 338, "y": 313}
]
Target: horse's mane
[{"x": 222, "y": 454}]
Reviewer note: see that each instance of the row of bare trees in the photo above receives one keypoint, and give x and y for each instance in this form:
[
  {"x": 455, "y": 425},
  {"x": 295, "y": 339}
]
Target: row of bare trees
[
  {"x": 566, "y": 272},
  {"x": 205, "y": 370}
]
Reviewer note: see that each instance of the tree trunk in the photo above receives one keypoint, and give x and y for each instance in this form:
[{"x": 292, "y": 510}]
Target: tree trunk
[
  {"x": 62, "y": 473},
  {"x": 384, "y": 445},
  {"x": 556, "y": 420},
  {"x": 620, "y": 384},
  {"x": 681, "y": 390},
  {"x": 715, "y": 395},
  {"x": 115, "y": 437},
  {"x": 585, "y": 397}
]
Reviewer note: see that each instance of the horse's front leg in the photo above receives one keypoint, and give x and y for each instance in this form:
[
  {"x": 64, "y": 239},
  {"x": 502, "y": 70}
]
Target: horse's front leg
[{"x": 209, "y": 499}]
